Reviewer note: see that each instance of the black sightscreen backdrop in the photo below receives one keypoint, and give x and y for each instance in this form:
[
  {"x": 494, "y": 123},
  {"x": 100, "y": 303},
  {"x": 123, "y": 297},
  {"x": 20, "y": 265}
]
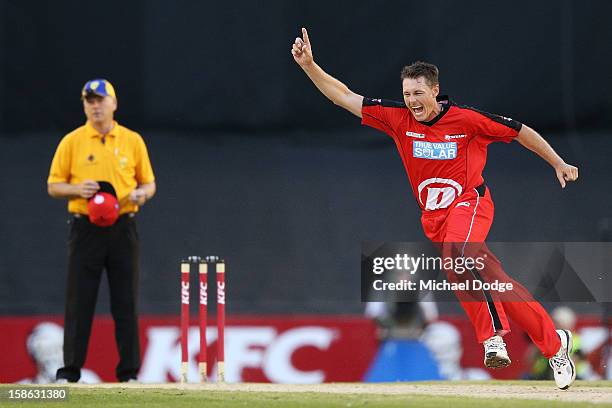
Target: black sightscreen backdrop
[{"x": 226, "y": 65}]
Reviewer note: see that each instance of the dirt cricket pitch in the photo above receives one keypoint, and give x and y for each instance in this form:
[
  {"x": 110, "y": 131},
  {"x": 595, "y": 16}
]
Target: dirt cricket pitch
[
  {"x": 530, "y": 390},
  {"x": 421, "y": 394}
]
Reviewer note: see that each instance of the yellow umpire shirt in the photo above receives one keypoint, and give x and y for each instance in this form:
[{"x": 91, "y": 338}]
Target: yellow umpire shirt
[{"x": 121, "y": 158}]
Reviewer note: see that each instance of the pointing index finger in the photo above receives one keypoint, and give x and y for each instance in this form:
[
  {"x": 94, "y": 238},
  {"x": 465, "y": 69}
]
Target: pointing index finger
[{"x": 305, "y": 35}]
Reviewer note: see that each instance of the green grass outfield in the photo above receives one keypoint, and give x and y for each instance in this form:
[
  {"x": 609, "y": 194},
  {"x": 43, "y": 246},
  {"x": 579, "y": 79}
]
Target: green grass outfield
[{"x": 498, "y": 394}]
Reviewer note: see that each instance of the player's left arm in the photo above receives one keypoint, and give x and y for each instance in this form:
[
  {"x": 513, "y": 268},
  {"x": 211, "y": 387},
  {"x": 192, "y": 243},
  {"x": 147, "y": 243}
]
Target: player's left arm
[{"x": 532, "y": 140}]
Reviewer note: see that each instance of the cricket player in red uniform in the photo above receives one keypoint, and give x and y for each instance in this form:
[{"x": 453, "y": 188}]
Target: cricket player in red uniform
[{"x": 444, "y": 150}]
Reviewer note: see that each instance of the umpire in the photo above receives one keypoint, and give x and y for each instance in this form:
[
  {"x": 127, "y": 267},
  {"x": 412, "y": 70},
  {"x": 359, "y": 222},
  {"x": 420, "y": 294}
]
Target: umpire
[{"x": 103, "y": 169}]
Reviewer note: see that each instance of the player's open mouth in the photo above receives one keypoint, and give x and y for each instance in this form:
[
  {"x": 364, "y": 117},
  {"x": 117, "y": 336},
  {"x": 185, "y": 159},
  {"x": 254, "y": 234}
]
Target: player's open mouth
[{"x": 417, "y": 110}]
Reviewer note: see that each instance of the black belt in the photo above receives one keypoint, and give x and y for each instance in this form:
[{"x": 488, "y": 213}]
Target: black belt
[
  {"x": 481, "y": 189},
  {"x": 78, "y": 215}
]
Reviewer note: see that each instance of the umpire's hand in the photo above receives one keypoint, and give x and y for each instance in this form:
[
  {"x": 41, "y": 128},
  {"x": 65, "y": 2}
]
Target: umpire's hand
[
  {"x": 87, "y": 188},
  {"x": 138, "y": 196}
]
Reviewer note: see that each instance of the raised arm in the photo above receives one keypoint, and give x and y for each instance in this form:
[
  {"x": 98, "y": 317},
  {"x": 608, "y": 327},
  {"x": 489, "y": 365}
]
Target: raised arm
[
  {"x": 536, "y": 143},
  {"x": 329, "y": 86}
]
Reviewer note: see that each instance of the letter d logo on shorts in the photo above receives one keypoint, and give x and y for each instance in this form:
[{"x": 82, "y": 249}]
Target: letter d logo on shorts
[{"x": 440, "y": 192}]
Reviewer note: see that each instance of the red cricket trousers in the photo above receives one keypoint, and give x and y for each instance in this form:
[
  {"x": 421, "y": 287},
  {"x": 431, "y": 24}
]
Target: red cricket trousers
[{"x": 468, "y": 220}]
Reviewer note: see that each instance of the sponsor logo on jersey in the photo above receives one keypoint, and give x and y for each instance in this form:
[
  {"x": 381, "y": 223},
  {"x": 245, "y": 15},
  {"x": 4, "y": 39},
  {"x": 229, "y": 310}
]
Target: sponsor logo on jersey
[
  {"x": 451, "y": 137},
  {"x": 463, "y": 204},
  {"x": 434, "y": 151},
  {"x": 437, "y": 193},
  {"x": 417, "y": 135}
]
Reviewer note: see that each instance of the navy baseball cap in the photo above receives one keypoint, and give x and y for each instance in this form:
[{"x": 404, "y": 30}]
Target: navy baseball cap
[{"x": 100, "y": 87}]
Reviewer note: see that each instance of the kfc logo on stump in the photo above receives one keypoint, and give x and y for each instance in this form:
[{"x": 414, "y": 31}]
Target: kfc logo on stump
[{"x": 103, "y": 207}]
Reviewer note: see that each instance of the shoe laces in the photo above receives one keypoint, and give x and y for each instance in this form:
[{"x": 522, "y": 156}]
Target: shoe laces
[
  {"x": 558, "y": 361},
  {"x": 495, "y": 343}
]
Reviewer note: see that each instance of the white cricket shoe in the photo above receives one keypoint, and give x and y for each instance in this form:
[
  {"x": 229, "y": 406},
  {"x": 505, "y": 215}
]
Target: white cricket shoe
[
  {"x": 561, "y": 363},
  {"x": 496, "y": 355}
]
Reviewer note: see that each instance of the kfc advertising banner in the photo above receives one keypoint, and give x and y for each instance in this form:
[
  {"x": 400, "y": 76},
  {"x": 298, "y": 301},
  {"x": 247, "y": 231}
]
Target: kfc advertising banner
[
  {"x": 257, "y": 349},
  {"x": 280, "y": 349}
]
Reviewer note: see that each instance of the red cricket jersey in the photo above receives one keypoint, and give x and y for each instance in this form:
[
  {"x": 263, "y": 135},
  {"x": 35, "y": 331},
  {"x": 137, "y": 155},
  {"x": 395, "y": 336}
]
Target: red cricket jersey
[{"x": 444, "y": 157}]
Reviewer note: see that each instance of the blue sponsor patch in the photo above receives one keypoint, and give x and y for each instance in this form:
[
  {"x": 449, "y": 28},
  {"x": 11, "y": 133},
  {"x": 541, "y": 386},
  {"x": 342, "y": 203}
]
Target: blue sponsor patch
[{"x": 434, "y": 151}]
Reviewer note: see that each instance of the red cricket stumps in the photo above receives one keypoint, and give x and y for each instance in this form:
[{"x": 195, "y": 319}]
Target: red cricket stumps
[
  {"x": 220, "y": 267},
  {"x": 203, "y": 269},
  {"x": 203, "y": 316},
  {"x": 184, "y": 320}
]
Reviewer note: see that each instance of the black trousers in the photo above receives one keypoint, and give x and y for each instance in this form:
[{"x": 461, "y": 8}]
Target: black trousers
[{"x": 92, "y": 249}]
